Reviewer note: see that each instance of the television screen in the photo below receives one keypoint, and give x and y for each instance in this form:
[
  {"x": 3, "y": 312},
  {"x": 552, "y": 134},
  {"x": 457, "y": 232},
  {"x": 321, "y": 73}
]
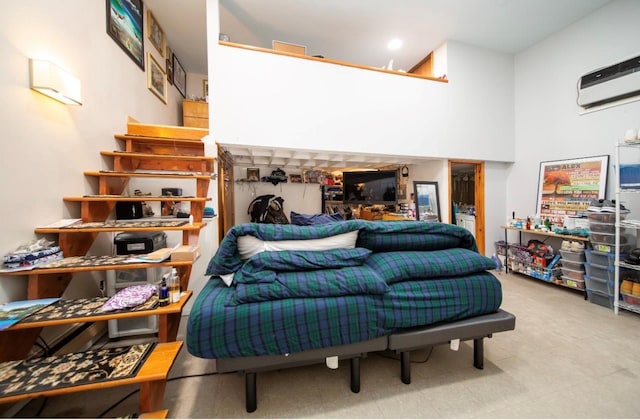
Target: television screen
[{"x": 370, "y": 187}]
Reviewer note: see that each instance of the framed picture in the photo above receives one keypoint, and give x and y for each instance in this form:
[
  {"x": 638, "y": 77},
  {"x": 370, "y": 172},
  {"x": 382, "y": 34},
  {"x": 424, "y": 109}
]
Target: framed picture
[
  {"x": 156, "y": 80},
  {"x": 253, "y": 174},
  {"x": 427, "y": 201},
  {"x": 205, "y": 88},
  {"x": 169, "y": 66},
  {"x": 155, "y": 33},
  {"x": 295, "y": 178},
  {"x": 124, "y": 26},
  {"x": 566, "y": 187},
  {"x": 179, "y": 77},
  {"x": 311, "y": 177}
]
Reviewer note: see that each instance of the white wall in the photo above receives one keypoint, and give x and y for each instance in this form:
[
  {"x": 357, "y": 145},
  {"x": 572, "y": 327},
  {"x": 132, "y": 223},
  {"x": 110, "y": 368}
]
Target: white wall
[
  {"x": 547, "y": 120},
  {"x": 266, "y": 99},
  {"x": 46, "y": 145}
]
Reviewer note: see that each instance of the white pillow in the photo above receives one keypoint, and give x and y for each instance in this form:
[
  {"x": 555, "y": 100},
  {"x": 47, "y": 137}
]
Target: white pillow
[{"x": 249, "y": 245}]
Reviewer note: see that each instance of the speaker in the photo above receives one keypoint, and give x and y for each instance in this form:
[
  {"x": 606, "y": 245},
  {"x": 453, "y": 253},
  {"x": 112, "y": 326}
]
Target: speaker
[{"x": 129, "y": 210}]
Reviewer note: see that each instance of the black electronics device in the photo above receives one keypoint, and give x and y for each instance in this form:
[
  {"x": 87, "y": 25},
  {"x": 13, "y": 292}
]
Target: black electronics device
[
  {"x": 139, "y": 243},
  {"x": 129, "y": 210},
  {"x": 172, "y": 192}
]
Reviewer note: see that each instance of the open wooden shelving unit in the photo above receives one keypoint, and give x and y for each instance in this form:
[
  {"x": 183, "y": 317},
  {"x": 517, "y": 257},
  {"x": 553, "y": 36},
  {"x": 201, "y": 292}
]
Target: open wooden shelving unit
[{"x": 149, "y": 151}]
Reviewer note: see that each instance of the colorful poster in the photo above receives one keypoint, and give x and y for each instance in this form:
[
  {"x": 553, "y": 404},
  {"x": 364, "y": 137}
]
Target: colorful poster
[{"x": 566, "y": 187}]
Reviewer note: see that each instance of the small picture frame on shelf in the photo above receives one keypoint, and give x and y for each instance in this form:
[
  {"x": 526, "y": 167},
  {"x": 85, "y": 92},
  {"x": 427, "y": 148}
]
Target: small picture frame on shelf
[
  {"x": 295, "y": 178},
  {"x": 253, "y": 174}
]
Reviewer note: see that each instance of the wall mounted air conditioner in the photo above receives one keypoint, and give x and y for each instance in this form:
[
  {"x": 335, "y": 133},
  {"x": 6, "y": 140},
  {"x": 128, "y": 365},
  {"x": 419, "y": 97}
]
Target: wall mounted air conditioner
[{"x": 609, "y": 84}]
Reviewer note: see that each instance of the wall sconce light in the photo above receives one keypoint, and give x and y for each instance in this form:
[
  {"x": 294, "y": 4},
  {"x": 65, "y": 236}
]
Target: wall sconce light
[{"x": 51, "y": 80}]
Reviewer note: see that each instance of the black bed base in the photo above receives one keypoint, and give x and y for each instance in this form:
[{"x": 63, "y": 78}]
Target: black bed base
[{"x": 476, "y": 329}]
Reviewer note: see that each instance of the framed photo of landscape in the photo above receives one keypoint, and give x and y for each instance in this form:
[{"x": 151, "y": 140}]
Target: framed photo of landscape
[
  {"x": 566, "y": 187},
  {"x": 156, "y": 80},
  {"x": 179, "y": 77},
  {"x": 124, "y": 26},
  {"x": 155, "y": 33}
]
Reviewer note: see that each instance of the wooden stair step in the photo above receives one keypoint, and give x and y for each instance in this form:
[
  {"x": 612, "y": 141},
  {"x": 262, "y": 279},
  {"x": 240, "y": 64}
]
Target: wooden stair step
[
  {"x": 152, "y": 379},
  {"x": 135, "y": 198},
  {"x": 113, "y": 183},
  {"x": 142, "y": 174},
  {"x": 98, "y": 227},
  {"x": 16, "y": 341},
  {"x": 161, "y": 146},
  {"x": 160, "y": 414},
  {"x": 166, "y": 131},
  {"x": 96, "y": 208},
  {"x": 130, "y": 161},
  {"x": 78, "y": 241}
]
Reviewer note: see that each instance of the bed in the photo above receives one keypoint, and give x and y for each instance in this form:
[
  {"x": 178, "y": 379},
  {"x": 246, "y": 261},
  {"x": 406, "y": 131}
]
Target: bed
[{"x": 286, "y": 295}]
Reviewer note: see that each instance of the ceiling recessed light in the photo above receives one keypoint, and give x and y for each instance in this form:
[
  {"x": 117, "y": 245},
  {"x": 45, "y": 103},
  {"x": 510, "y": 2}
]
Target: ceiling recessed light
[{"x": 394, "y": 44}]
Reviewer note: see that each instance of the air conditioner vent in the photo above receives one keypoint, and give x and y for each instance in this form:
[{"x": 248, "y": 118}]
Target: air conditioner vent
[{"x": 609, "y": 84}]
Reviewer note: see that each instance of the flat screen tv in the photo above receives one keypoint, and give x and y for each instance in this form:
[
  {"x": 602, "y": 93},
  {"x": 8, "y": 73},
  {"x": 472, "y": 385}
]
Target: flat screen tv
[{"x": 370, "y": 187}]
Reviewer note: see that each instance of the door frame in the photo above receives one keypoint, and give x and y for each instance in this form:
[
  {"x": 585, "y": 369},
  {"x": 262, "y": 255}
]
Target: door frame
[{"x": 478, "y": 185}]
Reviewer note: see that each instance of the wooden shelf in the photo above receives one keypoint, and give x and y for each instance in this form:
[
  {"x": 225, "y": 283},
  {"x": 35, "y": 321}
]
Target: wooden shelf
[
  {"x": 551, "y": 234},
  {"x": 163, "y": 311},
  {"x": 130, "y": 161},
  {"x": 151, "y": 151},
  {"x": 96, "y": 208},
  {"x": 161, "y": 146},
  {"x": 114, "y": 183},
  {"x": 152, "y": 378}
]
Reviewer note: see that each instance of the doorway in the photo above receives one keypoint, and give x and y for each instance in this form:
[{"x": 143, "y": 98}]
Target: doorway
[{"x": 466, "y": 198}]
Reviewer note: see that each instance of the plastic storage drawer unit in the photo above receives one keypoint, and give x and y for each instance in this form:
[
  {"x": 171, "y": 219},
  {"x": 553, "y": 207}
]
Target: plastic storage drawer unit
[
  {"x": 601, "y": 258},
  {"x": 572, "y": 274},
  {"x": 572, "y": 256},
  {"x": 600, "y": 298}
]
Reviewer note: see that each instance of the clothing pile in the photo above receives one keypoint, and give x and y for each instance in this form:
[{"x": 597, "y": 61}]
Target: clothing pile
[{"x": 32, "y": 255}]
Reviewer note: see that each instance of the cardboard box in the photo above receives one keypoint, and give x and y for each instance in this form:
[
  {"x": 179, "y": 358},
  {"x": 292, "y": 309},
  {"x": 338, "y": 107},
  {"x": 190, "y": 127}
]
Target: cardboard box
[{"x": 186, "y": 253}]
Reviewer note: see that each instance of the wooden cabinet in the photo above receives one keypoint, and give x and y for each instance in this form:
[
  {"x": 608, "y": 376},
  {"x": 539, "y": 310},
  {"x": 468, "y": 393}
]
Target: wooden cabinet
[{"x": 195, "y": 114}]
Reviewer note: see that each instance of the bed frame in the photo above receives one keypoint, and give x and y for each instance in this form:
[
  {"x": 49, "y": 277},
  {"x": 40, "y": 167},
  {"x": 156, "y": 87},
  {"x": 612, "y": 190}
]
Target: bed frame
[{"x": 475, "y": 328}]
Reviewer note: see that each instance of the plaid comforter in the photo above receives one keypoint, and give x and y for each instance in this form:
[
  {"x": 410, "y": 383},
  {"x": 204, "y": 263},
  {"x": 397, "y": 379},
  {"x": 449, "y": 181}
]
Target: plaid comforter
[{"x": 398, "y": 275}]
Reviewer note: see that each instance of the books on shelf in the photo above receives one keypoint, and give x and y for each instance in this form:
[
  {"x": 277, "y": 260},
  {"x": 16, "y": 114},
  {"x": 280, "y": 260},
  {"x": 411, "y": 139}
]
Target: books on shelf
[{"x": 13, "y": 312}]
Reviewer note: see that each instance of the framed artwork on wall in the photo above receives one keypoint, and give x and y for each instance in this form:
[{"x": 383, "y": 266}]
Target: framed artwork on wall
[
  {"x": 179, "y": 77},
  {"x": 253, "y": 174},
  {"x": 566, "y": 187},
  {"x": 205, "y": 88},
  {"x": 156, "y": 80},
  {"x": 124, "y": 26},
  {"x": 427, "y": 201},
  {"x": 155, "y": 33},
  {"x": 169, "y": 66}
]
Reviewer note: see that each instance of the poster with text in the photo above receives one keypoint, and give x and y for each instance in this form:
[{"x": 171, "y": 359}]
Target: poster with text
[{"x": 566, "y": 187}]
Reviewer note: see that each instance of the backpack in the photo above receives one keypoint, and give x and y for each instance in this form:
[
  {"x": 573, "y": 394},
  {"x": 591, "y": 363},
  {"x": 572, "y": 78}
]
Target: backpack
[{"x": 267, "y": 209}]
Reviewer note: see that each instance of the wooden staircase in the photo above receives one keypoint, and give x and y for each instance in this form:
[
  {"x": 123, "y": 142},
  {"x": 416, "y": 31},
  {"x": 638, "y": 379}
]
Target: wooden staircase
[{"x": 150, "y": 151}]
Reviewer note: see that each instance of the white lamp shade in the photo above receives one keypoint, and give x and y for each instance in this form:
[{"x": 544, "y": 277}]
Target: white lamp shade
[{"x": 51, "y": 80}]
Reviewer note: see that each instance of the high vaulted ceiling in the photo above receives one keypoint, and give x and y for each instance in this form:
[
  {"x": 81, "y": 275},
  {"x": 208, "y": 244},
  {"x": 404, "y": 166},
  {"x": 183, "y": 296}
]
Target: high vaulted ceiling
[{"x": 357, "y": 31}]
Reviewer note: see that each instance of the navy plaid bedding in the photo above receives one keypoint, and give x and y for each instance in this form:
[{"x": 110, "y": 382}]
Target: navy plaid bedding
[
  {"x": 217, "y": 328},
  {"x": 344, "y": 281},
  {"x": 424, "y": 302},
  {"x": 263, "y": 267},
  {"x": 376, "y": 236},
  {"x": 397, "y": 266},
  {"x": 402, "y": 274}
]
